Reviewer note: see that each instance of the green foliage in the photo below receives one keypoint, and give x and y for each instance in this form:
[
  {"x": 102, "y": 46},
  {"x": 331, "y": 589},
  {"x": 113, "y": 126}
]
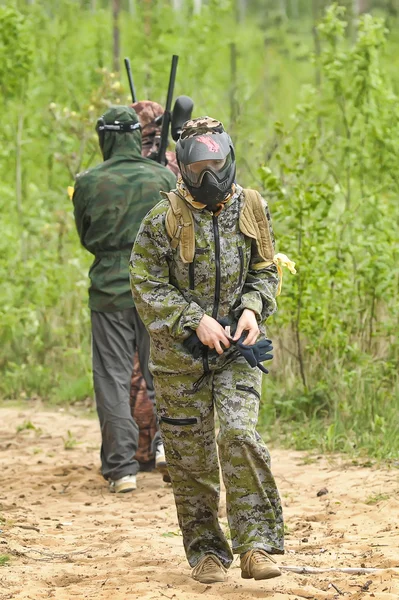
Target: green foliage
[
  {"x": 335, "y": 201},
  {"x": 376, "y": 498},
  {"x": 16, "y": 51},
  {"x": 26, "y": 425},
  {"x": 44, "y": 321},
  {"x": 4, "y": 559},
  {"x": 328, "y": 169},
  {"x": 70, "y": 442}
]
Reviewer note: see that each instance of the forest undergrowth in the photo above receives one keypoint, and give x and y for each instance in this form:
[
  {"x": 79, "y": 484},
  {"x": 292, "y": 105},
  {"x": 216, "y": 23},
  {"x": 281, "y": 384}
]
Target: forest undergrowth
[{"x": 315, "y": 120}]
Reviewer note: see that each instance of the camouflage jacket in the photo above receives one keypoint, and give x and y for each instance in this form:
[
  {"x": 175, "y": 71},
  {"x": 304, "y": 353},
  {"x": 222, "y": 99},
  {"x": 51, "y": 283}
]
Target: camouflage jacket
[
  {"x": 110, "y": 202},
  {"x": 172, "y": 296}
]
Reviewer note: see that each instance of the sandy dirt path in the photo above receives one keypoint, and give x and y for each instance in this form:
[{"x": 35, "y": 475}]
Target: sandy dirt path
[{"x": 67, "y": 537}]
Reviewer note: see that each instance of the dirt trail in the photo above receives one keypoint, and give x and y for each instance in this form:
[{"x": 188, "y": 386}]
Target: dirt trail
[{"x": 67, "y": 537}]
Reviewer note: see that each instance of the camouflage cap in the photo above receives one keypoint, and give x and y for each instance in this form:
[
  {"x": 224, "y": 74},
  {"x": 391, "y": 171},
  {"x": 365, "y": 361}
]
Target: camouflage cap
[
  {"x": 147, "y": 111},
  {"x": 201, "y": 126}
]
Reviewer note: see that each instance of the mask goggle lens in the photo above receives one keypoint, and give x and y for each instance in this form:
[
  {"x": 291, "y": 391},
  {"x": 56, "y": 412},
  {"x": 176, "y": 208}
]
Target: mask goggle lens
[{"x": 194, "y": 172}]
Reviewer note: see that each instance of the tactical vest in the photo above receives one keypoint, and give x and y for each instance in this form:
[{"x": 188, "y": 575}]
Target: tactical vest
[{"x": 253, "y": 223}]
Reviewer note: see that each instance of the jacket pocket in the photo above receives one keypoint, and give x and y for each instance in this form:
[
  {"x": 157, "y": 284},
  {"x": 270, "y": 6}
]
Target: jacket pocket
[
  {"x": 185, "y": 421},
  {"x": 249, "y": 389}
]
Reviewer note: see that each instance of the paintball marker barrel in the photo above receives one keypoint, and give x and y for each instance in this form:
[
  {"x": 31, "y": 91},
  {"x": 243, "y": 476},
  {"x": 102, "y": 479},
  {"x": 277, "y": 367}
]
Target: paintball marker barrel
[
  {"x": 130, "y": 78},
  {"x": 161, "y": 158}
]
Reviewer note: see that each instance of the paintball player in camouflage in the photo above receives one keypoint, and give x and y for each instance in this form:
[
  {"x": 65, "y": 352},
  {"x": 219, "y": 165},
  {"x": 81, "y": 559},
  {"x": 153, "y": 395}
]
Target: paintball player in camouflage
[
  {"x": 110, "y": 201},
  {"x": 204, "y": 259},
  {"x": 150, "y": 116}
]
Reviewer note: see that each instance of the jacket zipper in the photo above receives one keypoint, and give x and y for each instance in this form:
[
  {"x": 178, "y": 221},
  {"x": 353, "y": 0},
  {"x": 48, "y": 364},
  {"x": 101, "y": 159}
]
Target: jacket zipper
[
  {"x": 216, "y": 300},
  {"x": 191, "y": 275},
  {"x": 188, "y": 421},
  {"x": 217, "y": 264},
  {"x": 241, "y": 255}
]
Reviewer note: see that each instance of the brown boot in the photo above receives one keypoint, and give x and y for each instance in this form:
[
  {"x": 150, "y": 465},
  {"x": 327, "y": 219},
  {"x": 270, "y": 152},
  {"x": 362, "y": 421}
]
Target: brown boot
[
  {"x": 209, "y": 570},
  {"x": 258, "y": 564}
]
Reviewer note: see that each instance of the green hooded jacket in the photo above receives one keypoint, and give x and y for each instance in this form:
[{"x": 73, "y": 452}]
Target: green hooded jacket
[{"x": 110, "y": 201}]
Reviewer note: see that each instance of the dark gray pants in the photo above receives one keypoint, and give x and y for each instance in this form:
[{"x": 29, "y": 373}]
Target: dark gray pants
[{"x": 115, "y": 337}]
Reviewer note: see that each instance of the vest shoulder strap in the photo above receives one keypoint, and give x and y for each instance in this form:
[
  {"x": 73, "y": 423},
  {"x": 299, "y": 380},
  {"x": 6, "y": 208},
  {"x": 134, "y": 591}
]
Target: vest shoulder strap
[
  {"x": 179, "y": 225},
  {"x": 254, "y": 224}
]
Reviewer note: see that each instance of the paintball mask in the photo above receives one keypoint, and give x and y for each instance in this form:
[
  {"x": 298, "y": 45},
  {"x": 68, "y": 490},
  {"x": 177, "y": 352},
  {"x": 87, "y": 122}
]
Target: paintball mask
[{"x": 206, "y": 159}]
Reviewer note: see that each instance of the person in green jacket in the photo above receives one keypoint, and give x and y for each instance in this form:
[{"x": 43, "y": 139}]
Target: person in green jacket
[
  {"x": 110, "y": 201},
  {"x": 204, "y": 278}
]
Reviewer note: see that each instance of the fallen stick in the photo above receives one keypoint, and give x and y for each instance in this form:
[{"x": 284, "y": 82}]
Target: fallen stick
[
  {"x": 336, "y": 589},
  {"x": 47, "y": 556},
  {"x": 315, "y": 570},
  {"x": 28, "y": 527}
]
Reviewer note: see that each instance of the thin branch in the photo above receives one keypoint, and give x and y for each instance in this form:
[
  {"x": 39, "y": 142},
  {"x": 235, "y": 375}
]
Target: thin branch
[
  {"x": 28, "y": 527},
  {"x": 316, "y": 570},
  {"x": 47, "y": 556}
]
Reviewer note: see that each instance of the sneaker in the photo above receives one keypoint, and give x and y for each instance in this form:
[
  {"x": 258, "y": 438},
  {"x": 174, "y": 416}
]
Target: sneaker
[
  {"x": 122, "y": 485},
  {"x": 258, "y": 564},
  {"x": 160, "y": 462},
  {"x": 209, "y": 570}
]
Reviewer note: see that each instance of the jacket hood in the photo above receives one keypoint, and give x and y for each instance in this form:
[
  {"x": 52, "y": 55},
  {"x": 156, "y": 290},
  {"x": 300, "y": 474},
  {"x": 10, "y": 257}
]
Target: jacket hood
[{"x": 119, "y": 143}]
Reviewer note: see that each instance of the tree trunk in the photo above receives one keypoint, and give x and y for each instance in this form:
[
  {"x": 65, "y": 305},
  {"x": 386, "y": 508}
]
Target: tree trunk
[
  {"x": 147, "y": 17},
  {"x": 359, "y": 7},
  {"x": 233, "y": 91},
  {"x": 18, "y": 174},
  {"x": 316, "y": 40},
  {"x": 241, "y": 10},
  {"x": 294, "y": 9},
  {"x": 197, "y": 6},
  {"x": 116, "y": 7}
]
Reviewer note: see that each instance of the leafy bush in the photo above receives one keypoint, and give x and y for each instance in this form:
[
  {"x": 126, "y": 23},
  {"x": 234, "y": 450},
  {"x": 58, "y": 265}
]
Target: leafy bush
[
  {"x": 334, "y": 184},
  {"x": 329, "y": 173}
]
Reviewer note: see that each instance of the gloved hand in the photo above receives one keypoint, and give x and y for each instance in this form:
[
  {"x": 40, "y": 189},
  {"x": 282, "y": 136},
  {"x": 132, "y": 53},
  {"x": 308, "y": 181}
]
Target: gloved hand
[
  {"x": 254, "y": 355},
  {"x": 194, "y": 346},
  {"x": 257, "y": 353}
]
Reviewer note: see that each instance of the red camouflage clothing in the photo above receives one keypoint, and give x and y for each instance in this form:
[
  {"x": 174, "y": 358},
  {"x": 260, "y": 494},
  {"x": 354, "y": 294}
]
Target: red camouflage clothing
[
  {"x": 147, "y": 111},
  {"x": 140, "y": 404}
]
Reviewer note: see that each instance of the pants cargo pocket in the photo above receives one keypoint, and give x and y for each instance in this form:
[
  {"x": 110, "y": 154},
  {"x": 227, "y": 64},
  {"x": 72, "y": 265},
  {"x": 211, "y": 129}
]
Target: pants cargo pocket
[
  {"x": 184, "y": 443},
  {"x": 249, "y": 389}
]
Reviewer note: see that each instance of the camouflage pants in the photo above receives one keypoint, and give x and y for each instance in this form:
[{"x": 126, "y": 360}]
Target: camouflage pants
[{"x": 188, "y": 429}]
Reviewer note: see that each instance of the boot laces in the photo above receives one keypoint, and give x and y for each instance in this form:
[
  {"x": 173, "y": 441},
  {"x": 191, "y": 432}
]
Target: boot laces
[
  {"x": 261, "y": 557},
  {"x": 208, "y": 565}
]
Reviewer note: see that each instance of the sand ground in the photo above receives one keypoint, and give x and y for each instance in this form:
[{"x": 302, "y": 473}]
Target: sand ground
[{"x": 67, "y": 537}]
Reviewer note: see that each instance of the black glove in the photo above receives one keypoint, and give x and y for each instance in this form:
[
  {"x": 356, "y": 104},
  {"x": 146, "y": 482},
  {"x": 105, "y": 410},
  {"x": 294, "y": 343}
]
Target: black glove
[
  {"x": 194, "y": 346},
  {"x": 254, "y": 355},
  {"x": 257, "y": 353}
]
